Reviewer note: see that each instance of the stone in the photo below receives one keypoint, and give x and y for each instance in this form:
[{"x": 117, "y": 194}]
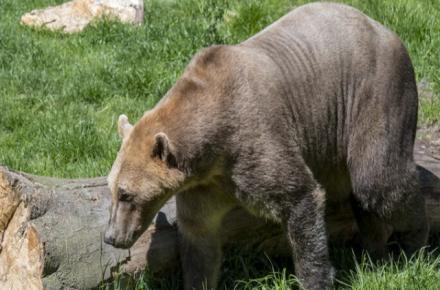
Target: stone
[{"x": 74, "y": 16}]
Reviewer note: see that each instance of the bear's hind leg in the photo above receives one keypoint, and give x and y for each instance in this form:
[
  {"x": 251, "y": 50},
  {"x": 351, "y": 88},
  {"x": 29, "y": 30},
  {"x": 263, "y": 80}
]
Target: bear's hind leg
[
  {"x": 374, "y": 231},
  {"x": 307, "y": 236},
  {"x": 389, "y": 197},
  {"x": 411, "y": 225}
]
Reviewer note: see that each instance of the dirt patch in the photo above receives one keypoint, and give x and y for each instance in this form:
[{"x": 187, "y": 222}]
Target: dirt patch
[{"x": 429, "y": 139}]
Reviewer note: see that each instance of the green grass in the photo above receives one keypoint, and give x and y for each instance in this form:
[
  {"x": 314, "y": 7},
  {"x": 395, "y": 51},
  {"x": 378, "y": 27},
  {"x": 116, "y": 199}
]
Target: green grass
[
  {"x": 420, "y": 272},
  {"x": 60, "y": 96}
]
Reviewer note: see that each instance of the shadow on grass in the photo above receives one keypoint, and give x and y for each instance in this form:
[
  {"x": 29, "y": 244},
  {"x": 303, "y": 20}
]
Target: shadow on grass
[{"x": 354, "y": 270}]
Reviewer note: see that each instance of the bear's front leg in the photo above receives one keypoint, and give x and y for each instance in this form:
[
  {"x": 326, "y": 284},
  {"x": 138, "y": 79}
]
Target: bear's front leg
[
  {"x": 201, "y": 261},
  {"x": 307, "y": 236},
  {"x": 199, "y": 216}
]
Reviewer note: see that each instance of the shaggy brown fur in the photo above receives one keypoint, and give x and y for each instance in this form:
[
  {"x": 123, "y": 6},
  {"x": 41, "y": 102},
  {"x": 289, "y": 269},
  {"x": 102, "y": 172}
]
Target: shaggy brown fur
[{"x": 319, "y": 108}]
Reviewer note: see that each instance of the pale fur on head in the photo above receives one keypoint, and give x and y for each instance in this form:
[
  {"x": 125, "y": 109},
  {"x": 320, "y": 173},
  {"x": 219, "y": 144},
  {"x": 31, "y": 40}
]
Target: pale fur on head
[
  {"x": 124, "y": 129},
  {"x": 124, "y": 126}
]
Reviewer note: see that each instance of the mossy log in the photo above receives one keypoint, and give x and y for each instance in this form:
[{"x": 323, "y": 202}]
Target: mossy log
[{"x": 51, "y": 230}]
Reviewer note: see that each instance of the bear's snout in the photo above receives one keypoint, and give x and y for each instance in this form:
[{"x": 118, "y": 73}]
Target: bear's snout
[
  {"x": 114, "y": 238},
  {"x": 109, "y": 238}
]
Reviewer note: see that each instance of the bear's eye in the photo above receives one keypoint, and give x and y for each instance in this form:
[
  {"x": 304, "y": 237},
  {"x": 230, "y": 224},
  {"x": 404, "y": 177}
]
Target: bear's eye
[{"x": 124, "y": 196}]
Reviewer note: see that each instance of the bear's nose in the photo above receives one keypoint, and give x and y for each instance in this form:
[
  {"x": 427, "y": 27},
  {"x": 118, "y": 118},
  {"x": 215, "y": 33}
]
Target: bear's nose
[{"x": 108, "y": 238}]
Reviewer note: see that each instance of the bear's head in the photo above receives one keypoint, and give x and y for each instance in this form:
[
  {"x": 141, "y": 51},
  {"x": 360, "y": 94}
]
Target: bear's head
[{"x": 143, "y": 177}]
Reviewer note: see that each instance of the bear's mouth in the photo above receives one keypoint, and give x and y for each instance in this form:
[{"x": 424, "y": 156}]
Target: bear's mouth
[
  {"x": 122, "y": 244},
  {"x": 131, "y": 238}
]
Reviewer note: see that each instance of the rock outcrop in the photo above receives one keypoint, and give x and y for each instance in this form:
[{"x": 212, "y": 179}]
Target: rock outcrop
[{"x": 74, "y": 16}]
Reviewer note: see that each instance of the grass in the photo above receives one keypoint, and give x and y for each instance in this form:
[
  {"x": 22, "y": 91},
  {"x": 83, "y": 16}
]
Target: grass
[
  {"x": 60, "y": 96},
  {"x": 420, "y": 272},
  {"x": 247, "y": 271}
]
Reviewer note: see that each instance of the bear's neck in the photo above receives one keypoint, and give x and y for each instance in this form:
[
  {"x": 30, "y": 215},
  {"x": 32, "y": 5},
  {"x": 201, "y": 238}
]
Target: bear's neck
[{"x": 193, "y": 116}]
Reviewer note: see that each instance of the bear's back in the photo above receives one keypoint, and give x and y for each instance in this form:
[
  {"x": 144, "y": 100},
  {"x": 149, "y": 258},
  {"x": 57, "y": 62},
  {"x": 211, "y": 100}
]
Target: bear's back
[{"x": 345, "y": 79}]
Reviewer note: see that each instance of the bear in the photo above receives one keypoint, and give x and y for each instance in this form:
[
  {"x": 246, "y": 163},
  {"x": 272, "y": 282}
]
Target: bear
[{"x": 319, "y": 108}]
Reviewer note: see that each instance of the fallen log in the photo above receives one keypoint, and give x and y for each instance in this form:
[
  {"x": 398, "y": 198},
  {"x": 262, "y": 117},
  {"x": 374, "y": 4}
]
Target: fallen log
[{"x": 51, "y": 230}]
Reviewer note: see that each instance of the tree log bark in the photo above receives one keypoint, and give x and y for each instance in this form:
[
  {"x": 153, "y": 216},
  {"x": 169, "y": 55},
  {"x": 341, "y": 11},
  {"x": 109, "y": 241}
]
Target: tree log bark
[{"x": 51, "y": 230}]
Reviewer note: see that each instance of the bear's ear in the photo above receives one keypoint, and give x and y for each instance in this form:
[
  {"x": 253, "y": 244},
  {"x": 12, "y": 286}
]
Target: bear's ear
[
  {"x": 163, "y": 149},
  {"x": 124, "y": 127}
]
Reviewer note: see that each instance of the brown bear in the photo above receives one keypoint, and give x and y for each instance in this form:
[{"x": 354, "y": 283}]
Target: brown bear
[{"x": 319, "y": 108}]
